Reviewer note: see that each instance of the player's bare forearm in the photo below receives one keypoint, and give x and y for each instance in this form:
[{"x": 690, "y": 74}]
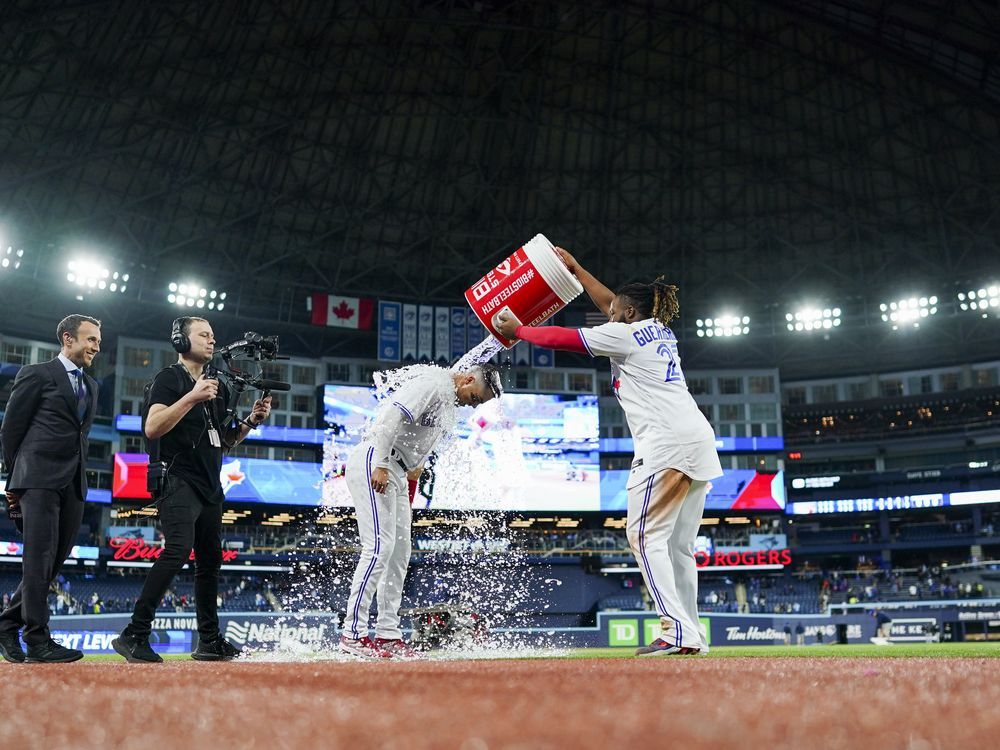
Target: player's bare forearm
[{"x": 599, "y": 294}]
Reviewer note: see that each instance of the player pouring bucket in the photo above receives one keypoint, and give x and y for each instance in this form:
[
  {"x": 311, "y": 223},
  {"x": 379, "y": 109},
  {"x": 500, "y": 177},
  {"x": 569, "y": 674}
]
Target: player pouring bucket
[{"x": 531, "y": 285}]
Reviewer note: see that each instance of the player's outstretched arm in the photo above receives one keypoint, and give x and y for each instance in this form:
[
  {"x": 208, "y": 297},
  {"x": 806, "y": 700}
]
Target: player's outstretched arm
[
  {"x": 551, "y": 337},
  {"x": 599, "y": 294}
]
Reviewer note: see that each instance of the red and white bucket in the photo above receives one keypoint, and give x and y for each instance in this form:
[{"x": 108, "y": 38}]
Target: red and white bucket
[{"x": 532, "y": 285}]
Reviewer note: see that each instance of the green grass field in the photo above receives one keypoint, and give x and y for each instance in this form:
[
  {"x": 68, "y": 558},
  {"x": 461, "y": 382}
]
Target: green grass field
[{"x": 896, "y": 651}]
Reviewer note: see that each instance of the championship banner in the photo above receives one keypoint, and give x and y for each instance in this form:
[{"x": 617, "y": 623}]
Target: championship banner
[
  {"x": 425, "y": 334},
  {"x": 409, "y": 333},
  {"x": 442, "y": 334},
  {"x": 389, "y": 331},
  {"x": 458, "y": 345},
  {"x": 341, "y": 312}
]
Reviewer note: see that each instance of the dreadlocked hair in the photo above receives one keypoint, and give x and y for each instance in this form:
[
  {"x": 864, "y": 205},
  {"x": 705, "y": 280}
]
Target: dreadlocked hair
[{"x": 656, "y": 300}]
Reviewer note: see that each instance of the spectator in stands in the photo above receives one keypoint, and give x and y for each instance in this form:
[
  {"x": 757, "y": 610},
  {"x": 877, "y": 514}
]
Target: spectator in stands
[{"x": 188, "y": 420}]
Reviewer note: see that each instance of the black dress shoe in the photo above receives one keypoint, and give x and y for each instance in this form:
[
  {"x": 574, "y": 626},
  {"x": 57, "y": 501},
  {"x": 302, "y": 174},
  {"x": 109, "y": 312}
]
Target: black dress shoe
[
  {"x": 135, "y": 648},
  {"x": 215, "y": 649},
  {"x": 10, "y": 647},
  {"x": 51, "y": 652}
]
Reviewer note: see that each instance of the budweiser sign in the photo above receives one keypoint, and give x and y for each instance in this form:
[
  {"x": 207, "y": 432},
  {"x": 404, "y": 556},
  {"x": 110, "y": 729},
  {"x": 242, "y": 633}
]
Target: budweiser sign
[{"x": 128, "y": 549}]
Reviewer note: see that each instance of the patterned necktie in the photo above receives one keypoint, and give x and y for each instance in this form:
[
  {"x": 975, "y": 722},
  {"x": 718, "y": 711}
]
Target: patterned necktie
[{"x": 81, "y": 394}]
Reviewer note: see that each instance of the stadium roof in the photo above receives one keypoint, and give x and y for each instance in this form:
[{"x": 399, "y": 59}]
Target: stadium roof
[{"x": 760, "y": 153}]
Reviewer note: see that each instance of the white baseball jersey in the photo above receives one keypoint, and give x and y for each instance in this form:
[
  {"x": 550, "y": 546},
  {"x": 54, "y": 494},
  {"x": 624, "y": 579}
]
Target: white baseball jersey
[
  {"x": 411, "y": 420},
  {"x": 669, "y": 430}
]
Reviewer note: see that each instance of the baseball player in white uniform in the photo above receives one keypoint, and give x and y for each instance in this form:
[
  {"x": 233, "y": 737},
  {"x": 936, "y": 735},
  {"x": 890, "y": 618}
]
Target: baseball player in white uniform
[
  {"x": 408, "y": 425},
  {"x": 675, "y": 454}
]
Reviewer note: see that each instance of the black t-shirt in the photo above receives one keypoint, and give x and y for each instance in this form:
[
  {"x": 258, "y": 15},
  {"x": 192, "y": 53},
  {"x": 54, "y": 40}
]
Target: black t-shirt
[{"x": 186, "y": 449}]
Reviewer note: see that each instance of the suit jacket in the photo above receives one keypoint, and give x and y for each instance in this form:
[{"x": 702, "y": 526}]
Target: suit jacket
[{"x": 44, "y": 442}]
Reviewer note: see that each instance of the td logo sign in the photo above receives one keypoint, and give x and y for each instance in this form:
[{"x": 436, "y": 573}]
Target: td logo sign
[
  {"x": 623, "y": 632},
  {"x": 626, "y": 631}
]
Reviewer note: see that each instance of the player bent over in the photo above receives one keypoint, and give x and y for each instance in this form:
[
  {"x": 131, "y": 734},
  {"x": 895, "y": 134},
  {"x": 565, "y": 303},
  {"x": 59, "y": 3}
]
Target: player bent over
[
  {"x": 408, "y": 425},
  {"x": 674, "y": 444}
]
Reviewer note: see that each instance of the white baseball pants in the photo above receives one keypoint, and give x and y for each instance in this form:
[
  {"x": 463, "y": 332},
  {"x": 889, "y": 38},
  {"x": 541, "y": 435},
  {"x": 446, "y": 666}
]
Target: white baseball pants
[
  {"x": 661, "y": 530},
  {"x": 384, "y": 526}
]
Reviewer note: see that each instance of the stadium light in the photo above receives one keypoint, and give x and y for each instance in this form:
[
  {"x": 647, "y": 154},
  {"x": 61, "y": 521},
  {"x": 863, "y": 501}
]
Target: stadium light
[
  {"x": 94, "y": 275},
  {"x": 724, "y": 326},
  {"x": 909, "y": 311},
  {"x": 10, "y": 259},
  {"x": 189, "y": 294},
  {"x": 984, "y": 300},
  {"x": 812, "y": 319}
]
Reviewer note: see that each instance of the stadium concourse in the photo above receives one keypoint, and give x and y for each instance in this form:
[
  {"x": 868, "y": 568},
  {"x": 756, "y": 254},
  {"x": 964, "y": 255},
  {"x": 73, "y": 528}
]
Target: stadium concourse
[{"x": 340, "y": 191}]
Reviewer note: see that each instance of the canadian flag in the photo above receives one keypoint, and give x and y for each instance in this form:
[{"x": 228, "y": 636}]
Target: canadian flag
[{"x": 344, "y": 312}]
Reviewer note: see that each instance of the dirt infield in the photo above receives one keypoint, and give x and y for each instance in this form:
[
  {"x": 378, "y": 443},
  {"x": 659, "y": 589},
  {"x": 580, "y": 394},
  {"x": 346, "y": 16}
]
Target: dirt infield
[{"x": 692, "y": 702}]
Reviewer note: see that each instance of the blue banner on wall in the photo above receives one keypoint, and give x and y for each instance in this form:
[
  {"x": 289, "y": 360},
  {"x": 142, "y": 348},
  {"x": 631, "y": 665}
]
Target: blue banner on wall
[
  {"x": 409, "y": 333},
  {"x": 389, "y": 330},
  {"x": 458, "y": 337},
  {"x": 442, "y": 334},
  {"x": 541, "y": 357},
  {"x": 474, "y": 330},
  {"x": 425, "y": 331}
]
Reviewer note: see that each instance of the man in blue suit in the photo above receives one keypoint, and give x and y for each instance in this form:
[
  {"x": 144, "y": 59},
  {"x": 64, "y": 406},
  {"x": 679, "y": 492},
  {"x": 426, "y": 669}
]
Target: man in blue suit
[{"x": 45, "y": 434}]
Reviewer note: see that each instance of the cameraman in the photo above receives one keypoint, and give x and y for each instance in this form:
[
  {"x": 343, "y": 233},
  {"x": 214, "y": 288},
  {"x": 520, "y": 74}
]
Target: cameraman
[{"x": 186, "y": 408}]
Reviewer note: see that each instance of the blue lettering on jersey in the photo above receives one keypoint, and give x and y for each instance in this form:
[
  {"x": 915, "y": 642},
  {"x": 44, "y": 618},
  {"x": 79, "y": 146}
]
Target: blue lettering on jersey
[{"x": 649, "y": 334}]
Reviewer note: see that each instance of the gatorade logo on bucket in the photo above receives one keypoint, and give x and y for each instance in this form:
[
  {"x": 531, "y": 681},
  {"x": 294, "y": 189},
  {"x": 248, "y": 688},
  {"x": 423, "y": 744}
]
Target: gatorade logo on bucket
[{"x": 531, "y": 284}]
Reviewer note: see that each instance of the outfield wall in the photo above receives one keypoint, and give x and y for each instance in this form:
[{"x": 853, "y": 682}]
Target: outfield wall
[{"x": 175, "y": 633}]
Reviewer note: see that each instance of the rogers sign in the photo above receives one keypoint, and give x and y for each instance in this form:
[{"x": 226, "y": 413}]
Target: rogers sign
[
  {"x": 750, "y": 558},
  {"x": 128, "y": 549}
]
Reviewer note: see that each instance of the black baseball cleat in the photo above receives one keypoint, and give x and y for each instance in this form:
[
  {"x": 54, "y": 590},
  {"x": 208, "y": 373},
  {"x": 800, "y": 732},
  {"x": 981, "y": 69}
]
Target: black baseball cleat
[
  {"x": 215, "y": 649},
  {"x": 135, "y": 648},
  {"x": 51, "y": 652},
  {"x": 10, "y": 647}
]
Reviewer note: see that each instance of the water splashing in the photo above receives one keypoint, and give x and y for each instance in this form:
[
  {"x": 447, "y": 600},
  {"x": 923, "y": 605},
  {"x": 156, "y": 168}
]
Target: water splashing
[{"x": 484, "y": 351}]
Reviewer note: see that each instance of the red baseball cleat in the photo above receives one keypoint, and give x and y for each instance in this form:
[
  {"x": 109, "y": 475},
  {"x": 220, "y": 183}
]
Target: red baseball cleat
[
  {"x": 364, "y": 648},
  {"x": 397, "y": 647},
  {"x": 660, "y": 647}
]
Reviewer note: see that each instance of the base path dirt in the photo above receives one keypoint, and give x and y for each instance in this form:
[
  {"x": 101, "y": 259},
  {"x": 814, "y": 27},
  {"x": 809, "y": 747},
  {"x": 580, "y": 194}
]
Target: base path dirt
[{"x": 671, "y": 702}]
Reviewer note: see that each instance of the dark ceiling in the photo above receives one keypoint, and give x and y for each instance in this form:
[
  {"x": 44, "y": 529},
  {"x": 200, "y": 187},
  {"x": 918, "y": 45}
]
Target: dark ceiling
[{"x": 760, "y": 153}]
